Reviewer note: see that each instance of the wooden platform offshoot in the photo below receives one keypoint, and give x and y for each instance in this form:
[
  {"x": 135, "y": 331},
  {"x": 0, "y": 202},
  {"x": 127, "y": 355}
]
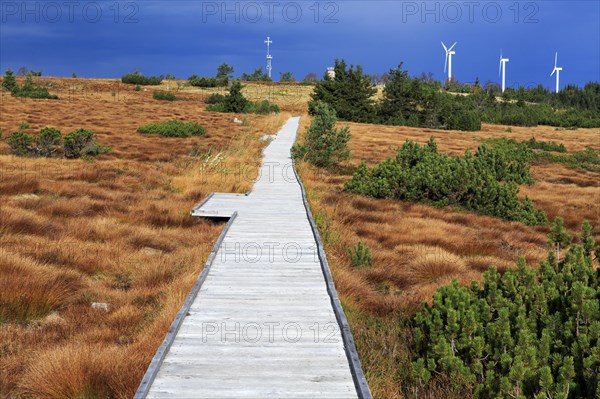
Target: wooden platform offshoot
[{"x": 263, "y": 320}]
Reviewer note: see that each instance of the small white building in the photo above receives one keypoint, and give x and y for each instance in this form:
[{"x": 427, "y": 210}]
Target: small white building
[{"x": 331, "y": 72}]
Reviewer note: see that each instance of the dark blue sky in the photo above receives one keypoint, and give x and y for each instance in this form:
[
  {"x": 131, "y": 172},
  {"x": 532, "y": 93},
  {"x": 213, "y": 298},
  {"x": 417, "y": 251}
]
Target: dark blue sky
[{"x": 109, "y": 38}]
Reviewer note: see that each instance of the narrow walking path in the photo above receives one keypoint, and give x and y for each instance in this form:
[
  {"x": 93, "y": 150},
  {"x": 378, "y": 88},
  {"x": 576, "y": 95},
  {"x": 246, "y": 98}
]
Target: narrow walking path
[{"x": 263, "y": 320}]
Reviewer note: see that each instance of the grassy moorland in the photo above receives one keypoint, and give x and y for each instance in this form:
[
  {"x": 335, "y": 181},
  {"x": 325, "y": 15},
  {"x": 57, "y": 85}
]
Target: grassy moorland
[
  {"x": 417, "y": 248},
  {"x": 114, "y": 229}
]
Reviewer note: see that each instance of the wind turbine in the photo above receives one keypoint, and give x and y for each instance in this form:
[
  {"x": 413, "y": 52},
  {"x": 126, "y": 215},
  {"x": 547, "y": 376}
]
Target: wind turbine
[
  {"x": 502, "y": 69},
  {"x": 448, "y": 60},
  {"x": 557, "y": 70}
]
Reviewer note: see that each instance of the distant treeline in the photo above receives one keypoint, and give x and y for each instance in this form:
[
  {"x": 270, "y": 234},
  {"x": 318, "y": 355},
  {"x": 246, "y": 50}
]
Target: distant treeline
[{"x": 423, "y": 102}]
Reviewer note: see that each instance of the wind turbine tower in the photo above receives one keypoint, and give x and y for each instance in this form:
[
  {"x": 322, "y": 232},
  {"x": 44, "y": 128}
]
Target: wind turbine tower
[
  {"x": 557, "y": 71},
  {"x": 269, "y": 56},
  {"x": 448, "y": 61},
  {"x": 502, "y": 68}
]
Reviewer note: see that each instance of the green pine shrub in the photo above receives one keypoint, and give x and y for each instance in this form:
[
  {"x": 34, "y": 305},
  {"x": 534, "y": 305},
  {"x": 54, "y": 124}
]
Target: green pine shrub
[
  {"x": 324, "y": 145},
  {"x": 173, "y": 129},
  {"x": 486, "y": 182},
  {"x": 95, "y": 149},
  {"x": 360, "y": 255},
  {"x": 587, "y": 159},
  {"x": 9, "y": 81},
  {"x": 20, "y": 143},
  {"x": 163, "y": 95},
  {"x": 235, "y": 102},
  {"x": 545, "y": 145},
  {"x": 76, "y": 141},
  {"x": 30, "y": 90},
  {"x": 263, "y": 107},
  {"x": 349, "y": 93},
  {"x": 257, "y": 76},
  {"x": 137, "y": 78},
  {"x": 47, "y": 143},
  {"x": 525, "y": 334},
  {"x": 201, "y": 81},
  {"x": 224, "y": 73}
]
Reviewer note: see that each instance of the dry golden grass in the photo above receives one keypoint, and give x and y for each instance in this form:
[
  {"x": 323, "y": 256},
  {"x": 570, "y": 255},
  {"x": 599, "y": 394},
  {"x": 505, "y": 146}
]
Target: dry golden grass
[
  {"x": 417, "y": 248},
  {"x": 116, "y": 231}
]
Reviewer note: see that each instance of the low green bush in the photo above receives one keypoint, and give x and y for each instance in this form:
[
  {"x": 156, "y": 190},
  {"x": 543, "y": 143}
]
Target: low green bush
[
  {"x": 589, "y": 155},
  {"x": 30, "y": 90},
  {"x": 20, "y": 143},
  {"x": 173, "y": 129},
  {"x": 76, "y": 141},
  {"x": 47, "y": 143},
  {"x": 163, "y": 95},
  {"x": 201, "y": 81},
  {"x": 137, "y": 78},
  {"x": 486, "y": 183},
  {"x": 324, "y": 145},
  {"x": 545, "y": 145},
  {"x": 95, "y": 149},
  {"x": 9, "y": 81},
  {"x": 527, "y": 333},
  {"x": 263, "y": 107},
  {"x": 235, "y": 102},
  {"x": 587, "y": 159}
]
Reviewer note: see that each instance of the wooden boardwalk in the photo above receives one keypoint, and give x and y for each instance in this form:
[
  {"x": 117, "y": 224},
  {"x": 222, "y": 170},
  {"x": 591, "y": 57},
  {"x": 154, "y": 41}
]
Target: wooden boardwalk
[{"x": 264, "y": 319}]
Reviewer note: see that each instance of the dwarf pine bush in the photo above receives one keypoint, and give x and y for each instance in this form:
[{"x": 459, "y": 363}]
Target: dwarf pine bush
[
  {"x": 486, "y": 182},
  {"x": 360, "y": 255},
  {"x": 9, "y": 82},
  {"x": 163, "y": 95},
  {"x": 31, "y": 90},
  {"x": 47, "y": 143},
  {"x": 173, "y": 129},
  {"x": 20, "y": 143},
  {"x": 324, "y": 145},
  {"x": 525, "y": 334},
  {"x": 76, "y": 141},
  {"x": 137, "y": 78},
  {"x": 545, "y": 145},
  {"x": 235, "y": 102}
]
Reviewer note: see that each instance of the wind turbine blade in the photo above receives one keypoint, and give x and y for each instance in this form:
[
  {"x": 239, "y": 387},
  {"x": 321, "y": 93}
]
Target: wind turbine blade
[
  {"x": 555, "y": 59},
  {"x": 500, "y": 67},
  {"x": 554, "y": 70},
  {"x": 450, "y": 49},
  {"x": 445, "y": 48},
  {"x": 445, "y": 62}
]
